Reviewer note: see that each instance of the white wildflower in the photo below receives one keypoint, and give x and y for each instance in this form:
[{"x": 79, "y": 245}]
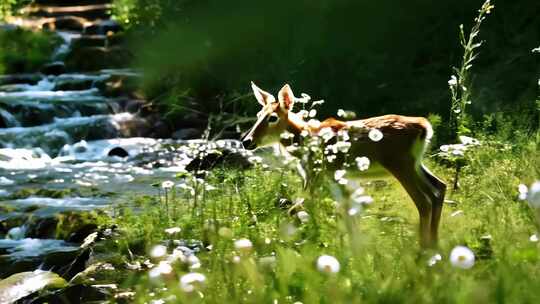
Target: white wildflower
[
  {"x": 312, "y": 113},
  {"x": 354, "y": 210},
  {"x": 342, "y": 146},
  {"x": 303, "y": 216},
  {"x": 167, "y": 185},
  {"x": 462, "y": 257},
  {"x": 326, "y": 134},
  {"x": 344, "y": 135},
  {"x": 303, "y": 114},
  {"x": 339, "y": 176},
  {"x": 533, "y": 238},
  {"x": 317, "y": 103},
  {"x": 173, "y": 230},
  {"x": 362, "y": 163},
  {"x": 304, "y": 133},
  {"x": 458, "y": 152},
  {"x": 314, "y": 123},
  {"x": 466, "y": 140},
  {"x": 286, "y": 135},
  {"x": 328, "y": 264},
  {"x": 162, "y": 268},
  {"x": 453, "y": 81},
  {"x": 331, "y": 158},
  {"x": 244, "y": 245},
  {"x": 375, "y": 135},
  {"x": 177, "y": 255},
  {"x": 523, "y": 190},
  {"x": 191, "y": 281},
  {"x": 193, "y": 261},
  {"x": 341, "y": 113},
  {"x": 533, "y": 196},
  {"x": 158, "y": 251},
  {"x": 434, "y": 260}
]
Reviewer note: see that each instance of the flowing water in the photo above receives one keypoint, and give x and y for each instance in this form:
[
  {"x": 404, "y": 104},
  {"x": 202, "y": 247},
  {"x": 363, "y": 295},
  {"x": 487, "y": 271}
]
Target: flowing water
[{"x": 57, "y": 139}]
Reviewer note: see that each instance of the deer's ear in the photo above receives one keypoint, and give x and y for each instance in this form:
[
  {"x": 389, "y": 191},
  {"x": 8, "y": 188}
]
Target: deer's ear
[
  {"x": 286, "y": 98},
  {"x": 263, "y": 97}
]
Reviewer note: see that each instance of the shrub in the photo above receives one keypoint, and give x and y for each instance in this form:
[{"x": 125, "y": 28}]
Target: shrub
[{"x": 24, "y": 51}]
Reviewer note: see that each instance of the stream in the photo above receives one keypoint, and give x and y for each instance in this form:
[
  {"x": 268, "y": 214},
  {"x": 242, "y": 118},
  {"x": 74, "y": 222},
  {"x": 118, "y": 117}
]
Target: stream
[{"x": 68, "y": 145}]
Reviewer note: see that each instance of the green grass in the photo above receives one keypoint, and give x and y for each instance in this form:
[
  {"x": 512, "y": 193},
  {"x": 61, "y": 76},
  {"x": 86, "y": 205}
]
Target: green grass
[
  {"x": 25, "y": 51},
  {"x": 378, "y": 249}
]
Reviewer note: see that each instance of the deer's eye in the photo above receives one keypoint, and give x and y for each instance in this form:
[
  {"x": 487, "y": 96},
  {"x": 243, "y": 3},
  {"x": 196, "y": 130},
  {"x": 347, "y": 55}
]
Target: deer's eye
[{"x": 273, "y": 118}]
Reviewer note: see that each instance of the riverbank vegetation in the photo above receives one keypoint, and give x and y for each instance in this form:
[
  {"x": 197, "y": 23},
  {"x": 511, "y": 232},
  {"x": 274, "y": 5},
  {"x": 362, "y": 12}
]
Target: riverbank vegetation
[
  {"x": 215, "y": 223},
  {"x": 369, "y": 57},
  {"x": 256, "y": 235},
  {"x": 25, "y": 51}
]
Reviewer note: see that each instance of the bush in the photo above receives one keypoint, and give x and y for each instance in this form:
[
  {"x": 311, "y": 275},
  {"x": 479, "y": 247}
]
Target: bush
[
  {"x": 23, "y": 51},
  {"x": 370, "y": 57}
]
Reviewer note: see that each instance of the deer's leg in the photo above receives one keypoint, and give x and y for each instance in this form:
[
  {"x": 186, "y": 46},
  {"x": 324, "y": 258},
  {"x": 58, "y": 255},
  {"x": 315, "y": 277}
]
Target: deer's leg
[
  {"x": 437, "y": 198},
  {"x": 409, "y": 177}
]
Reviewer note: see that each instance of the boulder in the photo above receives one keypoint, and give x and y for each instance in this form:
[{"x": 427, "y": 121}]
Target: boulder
[
  {"x": 20, "y": 79},
  {"x": 73, "y": 84},
  {"x": 97, "y": 58},
  {"x": 187, "y": 133},
  {"x": 133, "y": 105},
  {"x": 23, "y": 284},
  {"x": 68, "y": 23},
  {"x": 103, "y": 27},
  {"x": 118, "y": 151},
  {"x": 89, "y": 41},
  {"x": 119, "y": 85},
  {"x": 54, "y": 68}
]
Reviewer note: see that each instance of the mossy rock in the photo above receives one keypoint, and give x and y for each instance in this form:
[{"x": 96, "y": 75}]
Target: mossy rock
[
  {"x": 23, "y": 284},
  {"x": 76, "y": 226},
  {"x": 71, "y": 226}
]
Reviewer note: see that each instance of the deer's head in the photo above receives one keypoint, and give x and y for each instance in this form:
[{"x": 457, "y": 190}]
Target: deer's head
[{"x": 272, "y": 120}]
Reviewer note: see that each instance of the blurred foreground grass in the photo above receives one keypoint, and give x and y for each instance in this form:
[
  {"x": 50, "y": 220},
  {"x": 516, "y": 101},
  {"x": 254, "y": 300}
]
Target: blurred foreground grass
[{"x": 377, "y": 249}]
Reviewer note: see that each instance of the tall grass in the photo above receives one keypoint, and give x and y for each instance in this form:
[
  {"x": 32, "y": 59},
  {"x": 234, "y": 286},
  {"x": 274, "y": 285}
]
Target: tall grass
[{"x": 377, "y": 249}]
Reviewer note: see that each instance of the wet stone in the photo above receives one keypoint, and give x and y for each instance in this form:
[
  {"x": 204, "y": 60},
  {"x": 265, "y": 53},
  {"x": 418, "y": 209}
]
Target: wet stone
[
  {"x": 96, "y": 58},
  {"x": 20, "y": 79},
  {"x": 118, "y": 151},
  {"x": 73, "y": 84},
  {"x": 54, "y": 68},
  {"x": 89, "y": 41},
  {"x": 103, "y": 28}
]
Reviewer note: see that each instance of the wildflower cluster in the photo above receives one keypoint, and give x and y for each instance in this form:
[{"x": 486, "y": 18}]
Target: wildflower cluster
[
  {"x": 457, "y": 151},
  {"x": 460, "y": 257}
]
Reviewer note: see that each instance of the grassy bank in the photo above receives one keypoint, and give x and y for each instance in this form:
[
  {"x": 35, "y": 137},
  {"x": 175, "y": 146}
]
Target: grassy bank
[
  {"x": 25, "y": 51},
  {"x": 377, "y": 248}
]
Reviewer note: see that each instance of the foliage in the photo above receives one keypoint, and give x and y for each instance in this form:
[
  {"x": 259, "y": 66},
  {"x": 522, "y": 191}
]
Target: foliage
[
  {"x": 7, "y": 7},
  {"x": 23, "y": 51},
  {"x": 376, "y": 249},
  {"x": 196, "y": 58}
]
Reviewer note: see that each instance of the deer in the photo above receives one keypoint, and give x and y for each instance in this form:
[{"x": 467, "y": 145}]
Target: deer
[{"x": 399, "y": 152}]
